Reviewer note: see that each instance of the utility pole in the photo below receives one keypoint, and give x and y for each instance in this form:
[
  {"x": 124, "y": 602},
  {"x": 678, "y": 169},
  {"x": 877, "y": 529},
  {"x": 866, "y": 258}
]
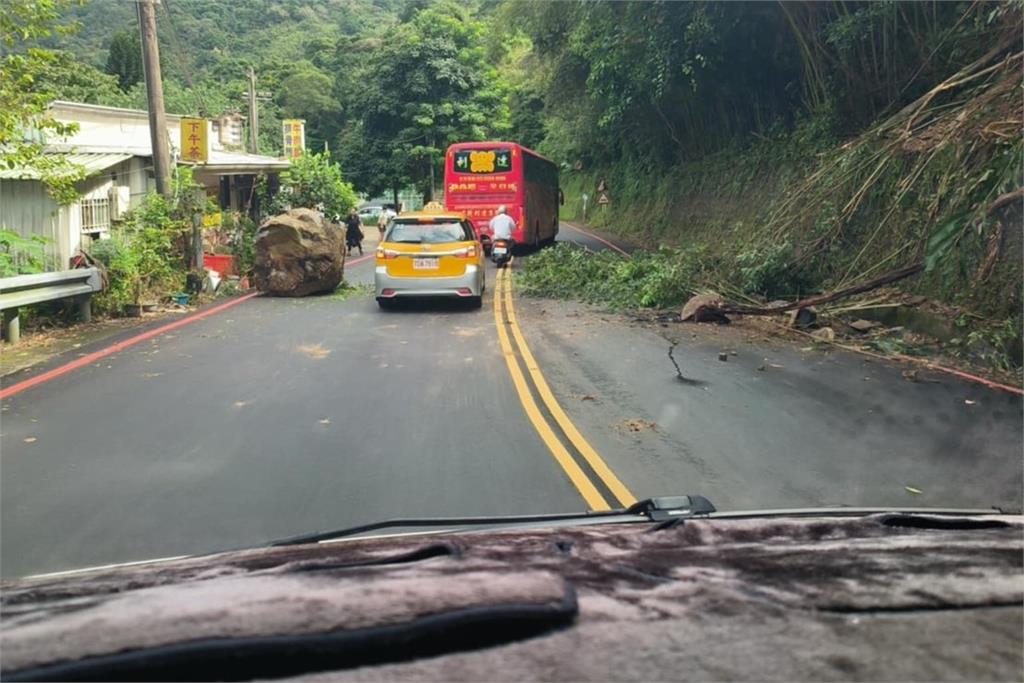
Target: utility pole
[
  {"x": 197, "y": 240},
  {"x": 254, "y": 115},
  {"x": 155, "y": 96}
]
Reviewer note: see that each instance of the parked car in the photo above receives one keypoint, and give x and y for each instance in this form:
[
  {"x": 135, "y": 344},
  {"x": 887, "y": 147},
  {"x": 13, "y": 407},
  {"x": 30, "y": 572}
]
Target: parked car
[{"x": 370, "y": 214}]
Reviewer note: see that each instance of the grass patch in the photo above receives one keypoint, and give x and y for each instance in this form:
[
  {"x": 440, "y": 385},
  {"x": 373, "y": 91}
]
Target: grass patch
[{"x": 346, "y": 291}]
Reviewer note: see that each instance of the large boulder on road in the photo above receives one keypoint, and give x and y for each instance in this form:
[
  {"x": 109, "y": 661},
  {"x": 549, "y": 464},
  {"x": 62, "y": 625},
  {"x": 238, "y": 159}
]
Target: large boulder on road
[{"x": 298, "y": 253}]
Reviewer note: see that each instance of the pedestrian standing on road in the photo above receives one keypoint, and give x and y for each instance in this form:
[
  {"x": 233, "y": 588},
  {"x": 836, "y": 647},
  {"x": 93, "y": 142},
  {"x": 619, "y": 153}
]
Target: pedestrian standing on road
[
  {"x": 382, "y": 222},
  {"x": 354, "y": 232}
]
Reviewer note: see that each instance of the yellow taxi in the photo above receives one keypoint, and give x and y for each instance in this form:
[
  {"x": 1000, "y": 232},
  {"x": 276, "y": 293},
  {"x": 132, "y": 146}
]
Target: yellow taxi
[{"x": 430, "y": 253}]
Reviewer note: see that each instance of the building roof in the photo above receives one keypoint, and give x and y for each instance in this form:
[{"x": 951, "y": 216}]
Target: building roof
[
  {"x": 93, "y": 163},
  {"x": 225, "y": 163},
  {"x": 120, "y": 111},
  {"x": 98, "y": 152}
]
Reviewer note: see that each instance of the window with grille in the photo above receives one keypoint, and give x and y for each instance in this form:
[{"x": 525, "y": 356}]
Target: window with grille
[{"x": 95, "y": 215}]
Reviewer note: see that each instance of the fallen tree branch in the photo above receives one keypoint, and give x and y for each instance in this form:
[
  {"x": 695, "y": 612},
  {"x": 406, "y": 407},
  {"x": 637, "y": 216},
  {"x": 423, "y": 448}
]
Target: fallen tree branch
[
  {"x": 874, "y": 283},
  {"x": 1003, "y": 200},
  {"x": 995, "y": 246},
  {"x": 958, "y": 79}
]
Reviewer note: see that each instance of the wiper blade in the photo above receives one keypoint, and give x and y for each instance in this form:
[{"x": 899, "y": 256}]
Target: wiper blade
[
  {"x": 437, "y": 522},
  {"x": 650, "y": 509}
]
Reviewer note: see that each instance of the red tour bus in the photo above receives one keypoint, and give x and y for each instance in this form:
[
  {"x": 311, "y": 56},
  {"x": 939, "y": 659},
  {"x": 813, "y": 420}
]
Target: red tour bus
[{"x": 481, "y": 176}]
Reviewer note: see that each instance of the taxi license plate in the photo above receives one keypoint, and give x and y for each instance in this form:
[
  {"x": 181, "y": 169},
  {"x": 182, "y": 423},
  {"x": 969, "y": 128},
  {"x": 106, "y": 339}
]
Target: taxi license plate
[
  {"x": 500, "y": 250},
  {"x": 424, "y": 264}
]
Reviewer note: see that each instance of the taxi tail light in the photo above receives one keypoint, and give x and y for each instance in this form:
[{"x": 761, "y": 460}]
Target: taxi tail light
[
  {"x": 467, "y": 252},
  {"x": 465, "y": 291},
  {"x": 387, "y": 292},
  {"x": 386, "y": 254}
]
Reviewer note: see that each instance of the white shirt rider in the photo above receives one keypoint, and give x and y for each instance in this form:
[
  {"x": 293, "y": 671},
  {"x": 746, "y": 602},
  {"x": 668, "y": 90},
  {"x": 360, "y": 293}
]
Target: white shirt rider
[{"x": 502, "y": 225}]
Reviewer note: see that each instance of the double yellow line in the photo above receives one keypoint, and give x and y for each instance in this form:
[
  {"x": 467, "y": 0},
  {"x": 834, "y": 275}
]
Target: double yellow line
[{"x": 505, "y": 320}]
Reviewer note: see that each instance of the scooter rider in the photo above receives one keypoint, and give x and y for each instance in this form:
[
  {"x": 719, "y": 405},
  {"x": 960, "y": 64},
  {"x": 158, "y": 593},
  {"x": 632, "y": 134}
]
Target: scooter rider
[{"x": 502, "y": 226}]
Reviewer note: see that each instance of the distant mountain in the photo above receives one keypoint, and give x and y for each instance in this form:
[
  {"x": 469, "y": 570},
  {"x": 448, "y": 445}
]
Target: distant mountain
[{"x": 204, "y": 36}]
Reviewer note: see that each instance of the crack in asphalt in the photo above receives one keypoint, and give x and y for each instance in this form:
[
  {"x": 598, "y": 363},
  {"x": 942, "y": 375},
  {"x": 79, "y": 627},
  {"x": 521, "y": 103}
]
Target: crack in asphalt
[
  {"x": 671, "y": 357},
  {"x": 672, "y": 343},
  {"x": 679, "y": 373}
]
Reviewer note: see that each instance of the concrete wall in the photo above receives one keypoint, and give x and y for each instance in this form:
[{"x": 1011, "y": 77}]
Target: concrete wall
[
  {"x": 27, "y": 209},
  {"x": 139, "y": 178},
  {"x": 117, "y": 129}
]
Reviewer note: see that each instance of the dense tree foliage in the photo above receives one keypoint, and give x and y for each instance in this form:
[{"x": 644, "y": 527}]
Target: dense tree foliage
[
  {"x": 125, "y": 58},
  {"x": 24, "y": 121},
  {"x": 667, "y": 81},
  {"x": 388, "y": 84},
  {"x": 424, "y": 87},
  {"x": 315, "y": 182}
]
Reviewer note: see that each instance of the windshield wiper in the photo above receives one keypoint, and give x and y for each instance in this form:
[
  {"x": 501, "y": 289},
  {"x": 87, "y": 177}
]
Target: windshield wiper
[{"x": 648, "y": 510}]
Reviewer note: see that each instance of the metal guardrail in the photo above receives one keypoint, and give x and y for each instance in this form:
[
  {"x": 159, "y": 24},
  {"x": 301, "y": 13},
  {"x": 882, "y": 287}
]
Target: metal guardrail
[{"x": 25, "y": 290}]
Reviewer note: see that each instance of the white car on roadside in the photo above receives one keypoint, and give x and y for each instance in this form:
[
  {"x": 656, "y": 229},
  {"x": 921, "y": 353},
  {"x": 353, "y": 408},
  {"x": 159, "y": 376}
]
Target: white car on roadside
[{"x": 369, "y": 214}]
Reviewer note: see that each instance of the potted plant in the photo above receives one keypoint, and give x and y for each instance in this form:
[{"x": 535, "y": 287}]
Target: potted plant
[
  {"x": 140, "y": 285},
  {"x": 126, "y": 279}
]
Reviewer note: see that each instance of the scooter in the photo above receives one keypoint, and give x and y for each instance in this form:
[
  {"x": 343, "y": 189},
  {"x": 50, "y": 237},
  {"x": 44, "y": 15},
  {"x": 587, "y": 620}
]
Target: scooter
[{"x": 501, "y": 252}]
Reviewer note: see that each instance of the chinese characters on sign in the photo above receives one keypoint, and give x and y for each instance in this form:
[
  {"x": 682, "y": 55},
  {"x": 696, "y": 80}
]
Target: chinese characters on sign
[
  {"x": 194, "y": 141},
  {"x": 483, "y": 161},
  {"x": 294, "y": 132},
  {"x": 472, "y": 187},
  {"x": 484, "y": 213}
]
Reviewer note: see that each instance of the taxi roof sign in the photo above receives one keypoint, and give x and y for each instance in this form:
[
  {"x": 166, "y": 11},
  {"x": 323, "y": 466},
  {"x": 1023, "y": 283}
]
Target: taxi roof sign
[{"x": 431, "y": 213}]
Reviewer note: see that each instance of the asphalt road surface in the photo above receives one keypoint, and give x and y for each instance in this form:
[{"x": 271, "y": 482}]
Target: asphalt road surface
[{"x": 277, "y": 417}]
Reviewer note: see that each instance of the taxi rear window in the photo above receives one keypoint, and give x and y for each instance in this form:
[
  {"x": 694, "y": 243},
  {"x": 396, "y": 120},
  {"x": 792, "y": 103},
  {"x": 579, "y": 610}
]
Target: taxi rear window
[{"x": 428, "y": 233}]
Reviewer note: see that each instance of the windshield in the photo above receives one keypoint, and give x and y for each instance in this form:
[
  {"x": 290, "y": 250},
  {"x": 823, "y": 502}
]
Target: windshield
[
  {"x": 766, "y": 253},
  {"x": 428, "y": 233}
]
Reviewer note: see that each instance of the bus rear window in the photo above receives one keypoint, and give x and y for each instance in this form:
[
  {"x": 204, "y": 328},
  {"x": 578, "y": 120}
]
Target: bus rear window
[{"x": 478, "y": 161}]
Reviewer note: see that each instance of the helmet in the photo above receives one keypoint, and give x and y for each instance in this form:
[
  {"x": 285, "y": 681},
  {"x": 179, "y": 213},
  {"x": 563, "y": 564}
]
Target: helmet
[{"x": 501, "y": 209}]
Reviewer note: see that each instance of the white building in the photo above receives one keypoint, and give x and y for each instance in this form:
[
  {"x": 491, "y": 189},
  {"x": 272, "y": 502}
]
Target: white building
[{"x": 113, "y": 145}]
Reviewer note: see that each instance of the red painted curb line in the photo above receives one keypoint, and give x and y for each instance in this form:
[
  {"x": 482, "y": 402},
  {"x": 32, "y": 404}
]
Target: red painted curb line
[
  {"x": 120, "y": 346},
  {"x": 991, "y": 384},
  {"x": 598, "y": 238}
]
